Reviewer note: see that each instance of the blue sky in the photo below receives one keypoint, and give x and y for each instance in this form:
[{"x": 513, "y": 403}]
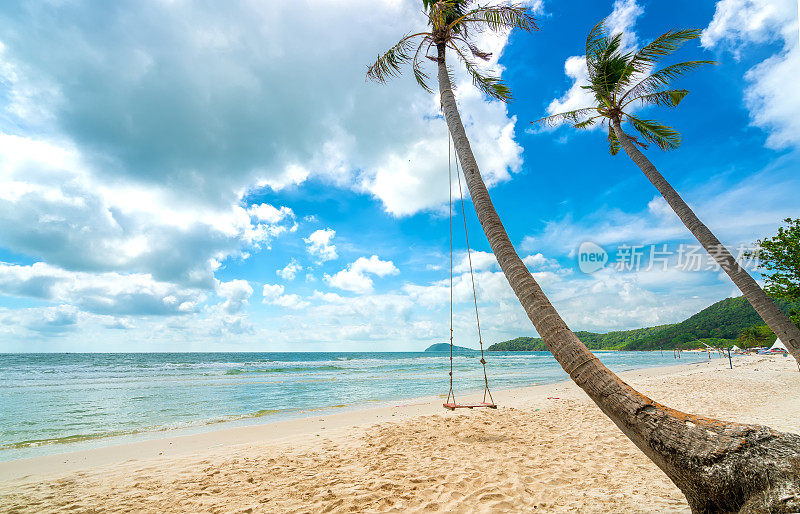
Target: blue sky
[{"x": 183, "y": 176}]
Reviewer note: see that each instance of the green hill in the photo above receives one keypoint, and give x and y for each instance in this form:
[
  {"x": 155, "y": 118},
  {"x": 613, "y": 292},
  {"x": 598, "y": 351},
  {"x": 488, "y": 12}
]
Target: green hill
[
  {"x": 723, "y": 320},
  {"x": 716, "y": 325},
  {"x": 445, "y": 347},
  {"x": 592, "y": 340}
]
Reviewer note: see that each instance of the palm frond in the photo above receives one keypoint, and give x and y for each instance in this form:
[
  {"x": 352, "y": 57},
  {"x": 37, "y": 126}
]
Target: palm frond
[
  {"x": 420, "y": 76},
  {"x": 655, "y": 81},
  {"x": 666, "y": 138},
  {"x": 477, "y": 52},
  {"x": 587, "y": 122},
  {"x": 606, "y": 72},
  {"x": 498, "y": 18},
  {"x": 667, "y": 98},
  {"x": 662, "y": 46},
  {"x": 492, "y": 87},
  {"x": 442, "y": 13},
  {"x": 388, "y": 65},
  {"x": 596, "y": 41},
  {"x": 573, "y": 117}
]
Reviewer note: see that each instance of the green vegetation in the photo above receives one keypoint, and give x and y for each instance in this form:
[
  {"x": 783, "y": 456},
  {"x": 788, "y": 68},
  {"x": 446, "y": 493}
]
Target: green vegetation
[
  {"x": 757, "y": 335},
  {"x": 779, "y": 257},
  {"x": 592, "y": 340},
  {"x": 718, "y": 325},
  {"x": 445, "y": 347}
]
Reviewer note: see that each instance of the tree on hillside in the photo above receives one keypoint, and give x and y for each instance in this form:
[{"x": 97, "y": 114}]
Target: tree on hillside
[
  {"x": 779, "y": 257},
  {"x": 621, "y": 80},
  {"x": 719, "y": 466},
  {"x": 755, "y": 336}
]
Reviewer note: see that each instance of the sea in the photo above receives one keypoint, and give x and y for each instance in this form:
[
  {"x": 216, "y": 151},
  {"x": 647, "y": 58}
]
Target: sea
[{"x": 52, "y": 403}]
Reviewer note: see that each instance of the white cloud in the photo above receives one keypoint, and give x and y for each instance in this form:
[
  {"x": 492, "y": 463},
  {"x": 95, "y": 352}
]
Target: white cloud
[
  {"x": 739, "y": 23},
  {"x": 213, "y": 130},
  {"x": 52, "y": 207},
  {"x": 319, "y": 245},
  {"x": 576, "y": 97},
  {"x": 236, "y": 293},
  {"x": 290, "y": 271},
  {"x": 274, "y": 295},
  {"x": 46, "y": 321},
  {"x": 480, "y": 261},
  {"x": 354, "y": 278},
  {"x": 538, "y": 263},
  {"x": 621, "y": 21},
  {"x": 101, "y": 293},
  {"x": 771, "y": 108},
  {"x": 130, "y": 175},
  {"x": 269, "y": 214},
  {"x": 728, "y": 209}
]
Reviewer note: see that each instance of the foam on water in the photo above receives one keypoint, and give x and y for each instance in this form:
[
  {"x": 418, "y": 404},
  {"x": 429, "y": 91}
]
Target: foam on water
[{"x": 52, "y": 402}]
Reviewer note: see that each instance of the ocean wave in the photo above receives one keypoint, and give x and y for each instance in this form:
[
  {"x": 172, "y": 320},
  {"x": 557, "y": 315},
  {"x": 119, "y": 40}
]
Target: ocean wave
[
  {"x": 241, "y": 371},
  {"x": 77, "y": 438}
]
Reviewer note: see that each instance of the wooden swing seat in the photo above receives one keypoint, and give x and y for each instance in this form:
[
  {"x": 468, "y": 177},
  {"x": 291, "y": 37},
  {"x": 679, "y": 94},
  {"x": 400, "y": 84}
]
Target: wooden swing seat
[{"x": 454, "y": 406}]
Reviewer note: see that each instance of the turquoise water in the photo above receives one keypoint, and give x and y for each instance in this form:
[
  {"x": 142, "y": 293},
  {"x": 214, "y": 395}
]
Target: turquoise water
[{"x": 58, "y": 402}]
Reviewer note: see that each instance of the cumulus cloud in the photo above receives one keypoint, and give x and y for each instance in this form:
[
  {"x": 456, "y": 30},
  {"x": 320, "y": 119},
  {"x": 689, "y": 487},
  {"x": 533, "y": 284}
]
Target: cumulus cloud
[
  {"x": 739, "y": 23},
  {"x": 727, "y": 208},
  {"x": 290, "y": 271},
  {"x": 480, "y": 261},
  {"x": 274, "y": 295},
  {"x": 269, "y": 214},
  {"x": 44, "y": 321},
  {"x": 53, "y": 208},
  {"x": 354, "y": 278},
  {"x": 101, "y": 293},
  {"x": 236, "y": 293},
  {"x": 187, "y": 99},
  {"x": 319, "y": 245}
]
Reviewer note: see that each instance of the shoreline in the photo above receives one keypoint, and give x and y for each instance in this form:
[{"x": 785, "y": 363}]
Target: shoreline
[
  {"x": 177, "y": 442},
  {"x": 76, "y": 442},
  {"x": 547, "y": 447}
]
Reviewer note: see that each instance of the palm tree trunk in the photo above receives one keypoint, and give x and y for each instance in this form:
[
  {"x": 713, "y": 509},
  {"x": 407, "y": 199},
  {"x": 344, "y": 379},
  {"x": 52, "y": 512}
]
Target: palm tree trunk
[
  {"x": 772, "y": 315},
  {"x": 719, "y": 466}
]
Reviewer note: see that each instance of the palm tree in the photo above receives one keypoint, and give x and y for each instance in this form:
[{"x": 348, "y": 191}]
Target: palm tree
[
  {"x": 719, "y": 466},
  {"x": 621, "y": 80}
]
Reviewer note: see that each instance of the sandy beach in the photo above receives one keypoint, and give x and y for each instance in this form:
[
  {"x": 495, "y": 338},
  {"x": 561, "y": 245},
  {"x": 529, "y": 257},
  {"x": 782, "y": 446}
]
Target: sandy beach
[{"x": 547, "y": 448}]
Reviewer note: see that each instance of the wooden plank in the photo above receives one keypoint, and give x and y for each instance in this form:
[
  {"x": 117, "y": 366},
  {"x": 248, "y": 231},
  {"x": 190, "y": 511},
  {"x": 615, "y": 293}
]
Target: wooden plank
[{"x": 454, "y": 406}]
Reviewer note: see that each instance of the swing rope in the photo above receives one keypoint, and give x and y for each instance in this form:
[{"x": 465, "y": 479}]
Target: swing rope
[
  {"x": 450, "y": 221},
  {"x": 486, "y": 391}
]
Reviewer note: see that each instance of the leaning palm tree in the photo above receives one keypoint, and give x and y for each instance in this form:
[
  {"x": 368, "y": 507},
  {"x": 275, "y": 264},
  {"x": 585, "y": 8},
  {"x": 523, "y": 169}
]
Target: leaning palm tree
[
  {"x": 719, "y": 466},
  {"x": 622, "y": 80}
]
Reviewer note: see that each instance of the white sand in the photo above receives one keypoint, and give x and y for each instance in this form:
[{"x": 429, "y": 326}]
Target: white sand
[{"x": 548, "y": 448}]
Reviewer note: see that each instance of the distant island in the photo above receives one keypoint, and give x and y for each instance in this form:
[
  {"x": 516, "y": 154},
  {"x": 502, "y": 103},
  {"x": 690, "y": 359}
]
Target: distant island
[
  {"x": 718, "y": 325},
  {"x": 445, "y": 347}
]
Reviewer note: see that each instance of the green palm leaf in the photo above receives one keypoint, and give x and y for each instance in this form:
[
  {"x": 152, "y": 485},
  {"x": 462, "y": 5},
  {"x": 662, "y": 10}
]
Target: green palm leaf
[
  {"x": 498, "y": 18},
  {"x": 668, "y": 98},
  {"x": 451, "y": 20},
  {"x": 666, "y": 138},
  {"x": 596, "y": 41},
  {"x": 611, "y": 70},
  {"x": 663, "y": 77},
  {"x": 491, "y": 86},
  {"x": 661, "y": 46},
  {"x": 587, "y": 122},
  {"x": 389, "y": 64},
  {"x": 568, "y": 117}
]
